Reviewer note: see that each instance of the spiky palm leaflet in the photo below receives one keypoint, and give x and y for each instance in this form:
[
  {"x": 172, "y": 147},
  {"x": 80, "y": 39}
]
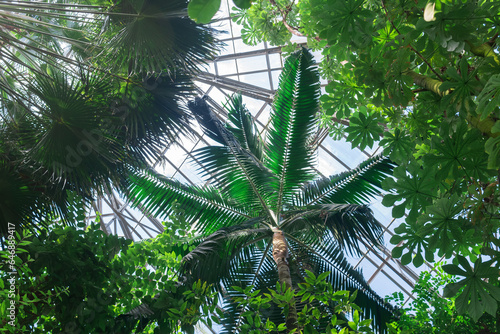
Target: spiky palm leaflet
[{"x": 280, "y": 216}]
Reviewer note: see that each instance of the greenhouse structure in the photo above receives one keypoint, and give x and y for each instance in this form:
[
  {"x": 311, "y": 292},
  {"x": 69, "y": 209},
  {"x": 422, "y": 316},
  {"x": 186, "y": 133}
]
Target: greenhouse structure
[{"x": 309, "y": 166}]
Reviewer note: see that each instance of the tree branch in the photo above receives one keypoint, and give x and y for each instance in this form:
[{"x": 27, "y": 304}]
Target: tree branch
[
  {"x": 485, "y": 50},
  {"x": 409, "y": 44},
  {"x": 284, "y": 14},
  {"x": 427, "y": 83}
]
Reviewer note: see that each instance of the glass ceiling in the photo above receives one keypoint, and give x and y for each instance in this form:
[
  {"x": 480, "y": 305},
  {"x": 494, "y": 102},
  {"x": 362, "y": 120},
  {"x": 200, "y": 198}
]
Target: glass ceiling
[{"x": 254, "y": 71}]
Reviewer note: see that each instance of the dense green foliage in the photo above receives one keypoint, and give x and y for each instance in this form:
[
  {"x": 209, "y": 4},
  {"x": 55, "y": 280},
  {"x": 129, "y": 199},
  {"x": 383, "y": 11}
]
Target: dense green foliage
[
  {"x": 266, "y": 187},
  {"x": 421, "y": 78},
  {"x": 430, "y": 313},
  {"x": 72, "y": 280},
  {"x": 313, "y": 289},
  {"x": 89, "y": 90}
]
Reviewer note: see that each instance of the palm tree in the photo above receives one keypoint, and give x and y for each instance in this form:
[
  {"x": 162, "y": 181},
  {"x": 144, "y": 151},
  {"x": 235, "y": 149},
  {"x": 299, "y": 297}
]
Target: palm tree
[
  {"x": 88, "y": 89},
  {"x": 266, "y": 216}
]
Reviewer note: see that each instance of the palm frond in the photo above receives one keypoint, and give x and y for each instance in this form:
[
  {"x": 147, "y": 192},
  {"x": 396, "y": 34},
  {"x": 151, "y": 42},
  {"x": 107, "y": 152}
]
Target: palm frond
[
  {"x": 255, "y": 267},
  {"x": 346, "y": 224},
  {"x": 28, "y": 195},
  {"x": 357, "y": 186},
  {"x": 20, "y": 203},
  {"x": 237, "y": 256},
  {"x": 243, "y": 169},
  {"x": 41, "y": 33},
  {"x": 208, "y": 121},
  {"x": 65, "y": 133},
  {"x": 204, "y": 207},
  {"x": 152, "y": 112},
  {"x": 154, "y": 37},
  {"x": 243, "y": 127},
  {"x": 292, "y": 125},
  {"x": 219, "y": 256},
  {"x": 220, "y": 166}
]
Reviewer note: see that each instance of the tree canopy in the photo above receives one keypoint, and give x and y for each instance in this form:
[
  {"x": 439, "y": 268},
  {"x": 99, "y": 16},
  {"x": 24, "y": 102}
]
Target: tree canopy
[{"x": 421, "y": 79}]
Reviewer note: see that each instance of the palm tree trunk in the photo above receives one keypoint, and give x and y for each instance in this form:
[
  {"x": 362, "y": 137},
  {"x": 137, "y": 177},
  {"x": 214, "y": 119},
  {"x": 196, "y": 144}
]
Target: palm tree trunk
[{"x": 280, "y": 255}]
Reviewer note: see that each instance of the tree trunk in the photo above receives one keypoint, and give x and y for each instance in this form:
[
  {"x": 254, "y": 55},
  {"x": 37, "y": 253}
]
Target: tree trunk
[{"x": 280, "y": 255}]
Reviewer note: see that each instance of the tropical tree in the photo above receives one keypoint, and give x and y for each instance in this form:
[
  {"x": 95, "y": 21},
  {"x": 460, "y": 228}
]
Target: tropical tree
[
  {"x": 87, "y": 89},
  {"x": 266, "y": 217}
]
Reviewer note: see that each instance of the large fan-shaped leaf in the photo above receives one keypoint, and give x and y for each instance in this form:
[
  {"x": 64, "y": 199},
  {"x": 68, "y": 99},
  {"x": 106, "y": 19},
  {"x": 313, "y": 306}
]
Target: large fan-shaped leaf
[
  {"x": 156, "y": 36},
  {"x": 70, "y": 133},
  {"x": 152, "y": 112},
  {"x": 27, "y": 195}
]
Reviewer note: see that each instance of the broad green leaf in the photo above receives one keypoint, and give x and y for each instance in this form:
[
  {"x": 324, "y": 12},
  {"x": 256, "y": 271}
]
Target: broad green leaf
[
  {"x": 364, "y": 129},
  {"x": 453, "y": 270},
  {"x": 489, "y": 99},
  {"x": 243, "y": 4},
  {"x": 418, "y": 260},
  {"x": 451, "y": 289},
  {"x": 406, "y": 259},
  {"x": 202, "y": 11},
  {"x": 414, "y": 186},
  {"x": 478, "y": 296},
  {"x": 492, "y": 147},
  {"x": 398, "y": 144},
  {"x": 455, "y": 152},
  {"x": 397, "y": 252}
]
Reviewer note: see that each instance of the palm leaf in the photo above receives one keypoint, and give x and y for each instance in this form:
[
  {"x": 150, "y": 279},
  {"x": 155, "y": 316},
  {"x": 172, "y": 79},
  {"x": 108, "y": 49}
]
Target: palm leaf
[
  {"x": 355, "y": 186},
  {"x": 155, "y": 36},
  {"x": 254, "y": 267},
  {"x": 243, "y": 127},
  {"x": 292, "y": 125},
  {"x": 66, "y": 134},
  {"x": 243, "y": 169},
  {"x": 213, "y": 259},
  {"x": 204, "y": 207},
  {"x": 344, "y": 223},
  {"x": 27, "y": 195},
  {"x": 152, "y": 112},
  {"x": 20, "y": 204}
]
